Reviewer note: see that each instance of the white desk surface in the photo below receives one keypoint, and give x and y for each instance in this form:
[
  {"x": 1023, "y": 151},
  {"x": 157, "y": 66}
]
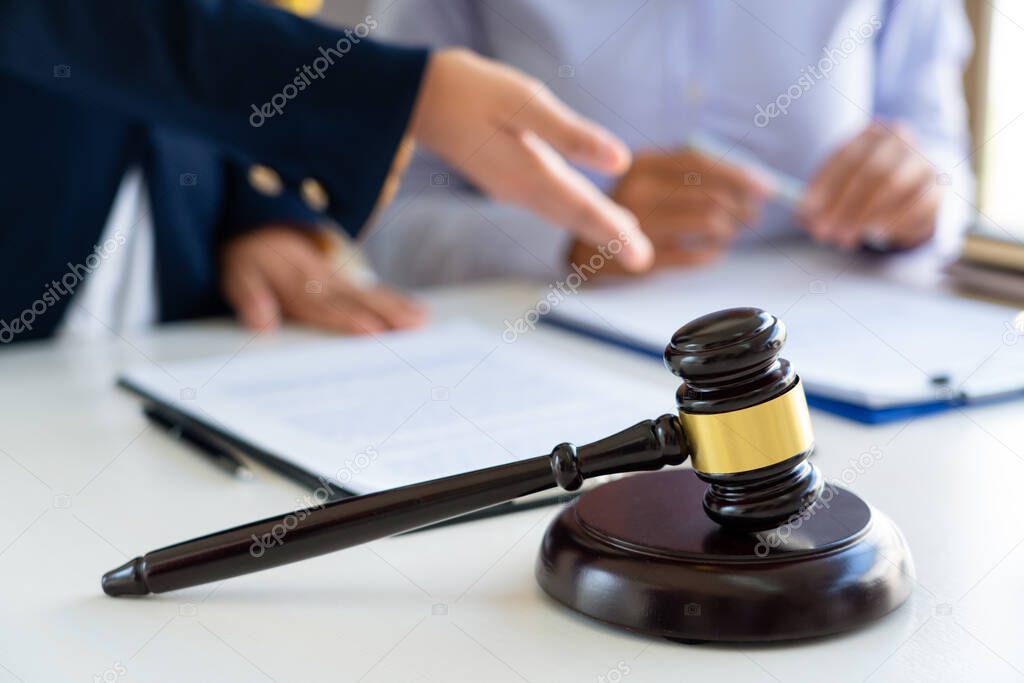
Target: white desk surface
[{"x": 85, "y": 484}]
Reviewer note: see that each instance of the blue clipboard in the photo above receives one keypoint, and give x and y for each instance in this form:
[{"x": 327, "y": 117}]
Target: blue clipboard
[{"x": 851, "y": 411}]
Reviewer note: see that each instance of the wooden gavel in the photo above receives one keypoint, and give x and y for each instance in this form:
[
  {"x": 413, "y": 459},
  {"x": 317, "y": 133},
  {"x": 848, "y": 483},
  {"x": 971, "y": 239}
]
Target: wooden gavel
[{"x": 742, "y": 420}]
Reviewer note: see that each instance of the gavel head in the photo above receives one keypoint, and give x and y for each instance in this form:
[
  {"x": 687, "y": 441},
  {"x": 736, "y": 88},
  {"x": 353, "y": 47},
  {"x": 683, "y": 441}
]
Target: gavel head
[{"x": 745, "y": 417}]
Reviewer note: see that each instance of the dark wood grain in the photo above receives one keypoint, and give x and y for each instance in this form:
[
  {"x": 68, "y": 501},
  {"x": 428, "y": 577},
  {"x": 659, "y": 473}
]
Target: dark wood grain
[
  {"x": 640, "y": 553},
  {"x": 302, "y": 534}
]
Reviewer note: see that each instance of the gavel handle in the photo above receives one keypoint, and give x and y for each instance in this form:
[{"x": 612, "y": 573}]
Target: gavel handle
[{"x": 301, "y": 534}]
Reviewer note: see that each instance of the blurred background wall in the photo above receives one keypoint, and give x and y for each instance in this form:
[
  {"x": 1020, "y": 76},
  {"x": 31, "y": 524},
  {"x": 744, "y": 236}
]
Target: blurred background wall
[
  {"x": 994, "y": 97},
  {"x": 344, "y": 12},
  {"x": 348, "y": 12}
]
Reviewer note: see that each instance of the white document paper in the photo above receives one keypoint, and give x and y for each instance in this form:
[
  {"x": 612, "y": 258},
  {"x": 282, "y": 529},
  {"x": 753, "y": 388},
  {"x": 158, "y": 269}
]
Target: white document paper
[
  {"x": 378, "y": 412},
  {"x": 855, "y": 334}
]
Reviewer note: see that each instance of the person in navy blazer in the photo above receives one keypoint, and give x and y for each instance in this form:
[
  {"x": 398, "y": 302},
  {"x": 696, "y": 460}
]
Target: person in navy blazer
[
  {"x": 65, "y": 159},
  {"x": 242, "y": 116}
]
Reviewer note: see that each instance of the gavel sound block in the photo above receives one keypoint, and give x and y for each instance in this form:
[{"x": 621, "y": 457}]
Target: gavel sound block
[
  {"x": 774, "y": 554},
  {"x": 748, "y": 546}
]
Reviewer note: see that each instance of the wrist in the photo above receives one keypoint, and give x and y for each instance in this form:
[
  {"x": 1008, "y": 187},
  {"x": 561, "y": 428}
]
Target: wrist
[{"x": 431, "y": 89}]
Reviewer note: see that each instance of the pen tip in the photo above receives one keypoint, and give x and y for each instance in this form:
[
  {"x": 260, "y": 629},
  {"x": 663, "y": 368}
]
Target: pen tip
[{"x": 125, "y": 580}]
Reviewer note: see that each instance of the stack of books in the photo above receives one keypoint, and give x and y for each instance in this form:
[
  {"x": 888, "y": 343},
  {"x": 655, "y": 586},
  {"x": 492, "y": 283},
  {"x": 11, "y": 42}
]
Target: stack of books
[{"x": 991, "y": 263}]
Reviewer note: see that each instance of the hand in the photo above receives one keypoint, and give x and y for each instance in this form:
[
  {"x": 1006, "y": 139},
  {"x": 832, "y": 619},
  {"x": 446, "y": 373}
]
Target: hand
[
  {"x": 878, "y": 189},
  {"x": 505, "y": 132},
  {"x": 279, "y": 271},
  {"x": 689, "y": 205}
]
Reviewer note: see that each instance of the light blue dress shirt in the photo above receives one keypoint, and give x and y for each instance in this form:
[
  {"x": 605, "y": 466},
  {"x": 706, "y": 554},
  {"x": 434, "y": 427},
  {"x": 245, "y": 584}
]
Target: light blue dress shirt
[{"x": 789, "y": 81}]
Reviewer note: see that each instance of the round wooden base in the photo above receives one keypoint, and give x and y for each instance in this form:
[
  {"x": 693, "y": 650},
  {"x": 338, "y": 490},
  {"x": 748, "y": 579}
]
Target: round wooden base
[{"x": 640, "y": 553}]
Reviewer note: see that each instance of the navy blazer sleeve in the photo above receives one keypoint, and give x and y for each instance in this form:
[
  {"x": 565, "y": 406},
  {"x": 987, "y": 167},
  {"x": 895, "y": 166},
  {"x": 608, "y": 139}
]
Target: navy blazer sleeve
[{"x": 305, "y": 99}]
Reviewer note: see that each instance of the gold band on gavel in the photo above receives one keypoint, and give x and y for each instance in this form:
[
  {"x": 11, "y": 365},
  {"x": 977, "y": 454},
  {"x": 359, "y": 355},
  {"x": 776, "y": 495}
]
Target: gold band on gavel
[{"x": 751, "y": 438}]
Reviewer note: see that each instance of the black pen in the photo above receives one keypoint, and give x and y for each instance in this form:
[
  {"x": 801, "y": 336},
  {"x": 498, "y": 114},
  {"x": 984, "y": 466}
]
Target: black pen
[{"x": 202, "y": 444}]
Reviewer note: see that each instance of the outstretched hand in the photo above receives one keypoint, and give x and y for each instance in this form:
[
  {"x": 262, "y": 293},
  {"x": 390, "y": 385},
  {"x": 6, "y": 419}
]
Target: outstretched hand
[{"x": 511, "y": 137}]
